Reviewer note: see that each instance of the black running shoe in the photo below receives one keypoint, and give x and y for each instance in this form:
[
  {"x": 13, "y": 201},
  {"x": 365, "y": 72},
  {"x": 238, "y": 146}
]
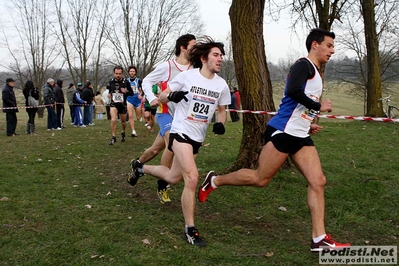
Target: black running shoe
[
  {"x": 134, "y": 174},
  {"x": 193, "y": 238},
  {"x": 123, "y": 137},
  {"x": 112, "y": 141}
]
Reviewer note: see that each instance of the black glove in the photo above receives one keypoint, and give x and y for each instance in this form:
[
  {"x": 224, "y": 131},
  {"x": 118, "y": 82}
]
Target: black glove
[
  {"x": 177, "y": 96},
  {"x": 218, "y": 128}
]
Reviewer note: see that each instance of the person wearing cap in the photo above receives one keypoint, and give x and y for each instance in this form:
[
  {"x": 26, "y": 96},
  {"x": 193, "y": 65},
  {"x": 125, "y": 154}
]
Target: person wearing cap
[
  {"x": 77, "y": 103},
  {"x": 48, "y": 97},
  {"x": 10, "y": 107},
  {"x": 70, "y": 92}
]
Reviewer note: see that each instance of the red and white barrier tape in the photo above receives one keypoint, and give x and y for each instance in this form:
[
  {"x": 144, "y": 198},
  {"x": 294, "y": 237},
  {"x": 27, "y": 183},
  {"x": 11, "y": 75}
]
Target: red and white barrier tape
[
  {"x": 362, "y": 118},
  {"x": 43, "y": 105},
  {"x": 22, "y": 107},
  {"x": 346, "y": 117}
]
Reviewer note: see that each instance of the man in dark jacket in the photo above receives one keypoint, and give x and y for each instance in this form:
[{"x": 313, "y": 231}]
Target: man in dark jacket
[
  {"x": 233, "y": 107},
  {"x": 48, "y": 97},
  {"x": 77, "y": 102},
  {"x": 10, "y": 107},
  {"x": 70, "y": 94},
  {"x": 59, "y": 100},
  {"x": 88, "y": 95}
]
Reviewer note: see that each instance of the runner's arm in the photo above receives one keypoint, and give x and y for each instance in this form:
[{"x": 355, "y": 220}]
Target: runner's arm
[
  {"x": 299, "y": 74},
  {"x": 159, "y": 74}
]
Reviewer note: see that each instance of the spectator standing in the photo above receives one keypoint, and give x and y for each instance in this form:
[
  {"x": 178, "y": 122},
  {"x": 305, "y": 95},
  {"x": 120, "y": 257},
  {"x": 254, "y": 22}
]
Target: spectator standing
[
  {"x": 59, "y": 100},
  {"x": 238, "y": 101},
  {"x": 30, "y": 91},
  {"x": 107, "y": 101},
  {"x": 48, "y": 97},
  {"x": 100, "y": 106},
  {"x": 88, "y": 96},
  {"x": 70, "y": 92},
  {"x": 10, "y": 107},
  {"x": 233, "y": 107},
  {"x": 78, "y": 102}
]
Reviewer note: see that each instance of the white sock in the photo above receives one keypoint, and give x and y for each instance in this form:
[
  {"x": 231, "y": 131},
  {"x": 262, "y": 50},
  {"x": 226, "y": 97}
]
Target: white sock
[
  {"x": 319, "y": 238},
  {"x": 140, "y": 169},
  {"x": 213, "y": 183}
]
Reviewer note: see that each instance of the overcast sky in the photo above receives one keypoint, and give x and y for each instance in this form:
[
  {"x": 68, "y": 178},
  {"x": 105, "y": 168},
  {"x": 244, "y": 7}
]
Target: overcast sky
[
  {"x": 280, "y": 42},
  {"x": 279, "y": 39}
]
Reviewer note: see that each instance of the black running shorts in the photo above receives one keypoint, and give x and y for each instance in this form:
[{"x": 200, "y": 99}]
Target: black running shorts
[
  {"x": 120, "y": 107},
  {"x": 183, "y": 138},
  {"x": 286, "y": 143}
]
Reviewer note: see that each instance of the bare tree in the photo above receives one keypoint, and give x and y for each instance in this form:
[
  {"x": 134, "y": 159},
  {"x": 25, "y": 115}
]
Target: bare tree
[
  {"x": 373, "y": 85},
  {"x": 100, "y": 77},
  {"x": 228, "y": 70},
  {"x": 30, "y": 27},
  {"x": 81, "y": 34},
  {"x": 253, "y": 76},
  {"x": 353, "y": 39},
  {"x": 143, "y": 32}
]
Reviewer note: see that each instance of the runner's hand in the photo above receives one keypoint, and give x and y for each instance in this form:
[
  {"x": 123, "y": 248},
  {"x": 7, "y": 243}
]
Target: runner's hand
[{"x": 218, "y": 128}]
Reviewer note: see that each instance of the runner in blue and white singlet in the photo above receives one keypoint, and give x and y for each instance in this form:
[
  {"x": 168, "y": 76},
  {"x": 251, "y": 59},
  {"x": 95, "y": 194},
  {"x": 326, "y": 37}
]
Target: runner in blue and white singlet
[
  {"x": 136, "y": 87},
  {"x": 301, "y": 100},
  {"x": 134, "y": 101}
]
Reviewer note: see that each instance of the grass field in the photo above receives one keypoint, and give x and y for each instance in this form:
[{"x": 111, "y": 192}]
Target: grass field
[{"x": 65, "y": 201}]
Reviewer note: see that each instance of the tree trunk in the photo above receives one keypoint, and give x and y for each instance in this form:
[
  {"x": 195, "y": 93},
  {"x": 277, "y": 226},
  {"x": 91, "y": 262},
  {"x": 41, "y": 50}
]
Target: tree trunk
[
  {"x": 253, "y": 77},
  {"x": 374, "y": 82}
]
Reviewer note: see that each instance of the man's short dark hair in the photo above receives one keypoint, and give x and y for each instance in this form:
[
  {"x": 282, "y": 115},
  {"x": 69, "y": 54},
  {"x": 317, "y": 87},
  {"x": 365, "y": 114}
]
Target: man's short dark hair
[
  {"x": 118, "y": 67},
  {"x": 183, "y": 40},
  {"x": 317, "y": 35}
]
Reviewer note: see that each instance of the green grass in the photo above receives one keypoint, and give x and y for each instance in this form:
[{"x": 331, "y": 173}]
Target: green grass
[{"x": 48, "y": 181}]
